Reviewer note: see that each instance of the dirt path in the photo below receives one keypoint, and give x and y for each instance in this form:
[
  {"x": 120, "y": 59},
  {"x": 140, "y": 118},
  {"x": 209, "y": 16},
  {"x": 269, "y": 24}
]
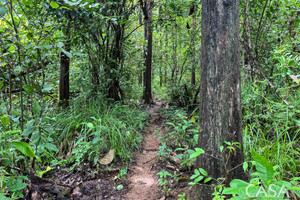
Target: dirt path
[{"x": 143, "y": 183}]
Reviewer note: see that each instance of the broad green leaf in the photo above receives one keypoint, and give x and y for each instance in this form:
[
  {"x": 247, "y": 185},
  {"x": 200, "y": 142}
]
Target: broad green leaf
[
  {"x": 36, "y": 107},
  {"x": 197, "y": 153},
  {"x": 203, "y": 172},
  {"x": 196, "y": 137},
  {"x": 24, "y": 148},
  {"x": 221, "y": 148},
  {"x": 245, "y": 166},
  {"x": 28, "y": 131},
  {"x": 18, "y": 70},
  {"x": 2, "y": 197},
  {"x": 17, "y": 187},
  {"x": 194, "y": 176},
  {"x": 54, "y": 4},
  {"x": 47, "y": 88},
  {"x": 207, "y": 179},
  {"x": 125, "y": 22},
  {"x": 13, "y": 132},
  {"x": 60, "y": 44},
  {"x": 238, "y": 186},
  {"x": 11, "y": 48},
  {"x": 1, "y": 84},
  {"x": 170, "y": 123},
  {"x": 28, "y": 89},
  {"x": 263, "y": 167},
  {"x": 5, "y": 120},
  {"x": 2, "y": 11},
  {"x": 198, "y": 179},
  {"x": 51, "y": 147},
  {"x": 96, "y": 140},
  {"x": 90, "y": 125},
  {"x": 67, "y": 53}
]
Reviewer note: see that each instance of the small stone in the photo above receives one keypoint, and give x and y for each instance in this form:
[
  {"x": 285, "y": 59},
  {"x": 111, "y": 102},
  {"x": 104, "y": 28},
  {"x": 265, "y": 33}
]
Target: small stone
[{"x": 144, "y": 152}]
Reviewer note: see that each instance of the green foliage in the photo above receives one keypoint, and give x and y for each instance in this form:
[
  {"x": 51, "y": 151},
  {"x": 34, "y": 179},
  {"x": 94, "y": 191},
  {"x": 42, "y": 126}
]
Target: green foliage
[
  {"x": 185, "y": 157},
  {"x": 10, "y": 185},
  {"x": 24, "y": 148},
  {"x": 163, "y": 152},
  {"x": 281, "y": 149},
  {"x": 264, "y": 183},
  {"x": 181, "y": 196},
  {"x": 163, "y": 181},
  {"x": 96, "y": 127},
  {"x": 123, "y": 172},
  {"x": 107, "y": 41},
  {"x": 183, "y": 94}
]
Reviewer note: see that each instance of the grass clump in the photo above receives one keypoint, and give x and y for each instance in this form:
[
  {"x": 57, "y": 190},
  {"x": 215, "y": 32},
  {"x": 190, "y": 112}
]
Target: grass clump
[{"x": 89, "y": 129}]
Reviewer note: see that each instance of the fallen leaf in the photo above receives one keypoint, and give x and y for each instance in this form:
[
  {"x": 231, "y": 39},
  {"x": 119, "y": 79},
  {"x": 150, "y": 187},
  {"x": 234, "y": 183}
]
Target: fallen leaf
[{"x": 108, "y": 158}]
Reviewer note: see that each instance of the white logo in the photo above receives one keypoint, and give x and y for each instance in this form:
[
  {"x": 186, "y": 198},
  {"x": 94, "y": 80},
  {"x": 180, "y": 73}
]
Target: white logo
[{"x": 271, "y": 192}]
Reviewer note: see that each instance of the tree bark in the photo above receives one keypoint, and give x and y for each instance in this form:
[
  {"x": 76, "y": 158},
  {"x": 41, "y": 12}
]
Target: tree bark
[
  {"x": 220, "y": 89},
  {"x": 167, "y": 56},
  {"x": 147, "y": 8},
  {"x": 193, "y": 75},
  {"x": 64, "y": 85}
]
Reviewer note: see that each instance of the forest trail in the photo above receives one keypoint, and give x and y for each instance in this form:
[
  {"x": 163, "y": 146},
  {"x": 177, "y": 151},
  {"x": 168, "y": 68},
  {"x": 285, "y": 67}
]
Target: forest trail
[{"x": 143, "y": 184}]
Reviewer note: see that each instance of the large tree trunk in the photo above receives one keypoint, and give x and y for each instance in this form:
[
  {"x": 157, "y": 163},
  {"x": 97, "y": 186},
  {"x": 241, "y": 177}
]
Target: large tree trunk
[
  {"x": 148, "y": 7},
  {"x": 64, "y": 87},
  {"x": 220, "y": 90}
]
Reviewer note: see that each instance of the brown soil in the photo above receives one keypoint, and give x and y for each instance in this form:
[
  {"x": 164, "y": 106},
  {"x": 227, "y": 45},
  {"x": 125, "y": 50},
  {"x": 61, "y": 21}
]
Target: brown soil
[{"x": 143, "y": 183}]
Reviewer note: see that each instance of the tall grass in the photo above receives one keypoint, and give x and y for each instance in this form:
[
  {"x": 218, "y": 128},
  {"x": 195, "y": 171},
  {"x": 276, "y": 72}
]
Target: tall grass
[
  {"x": 90, "y": 128},
  {"x": 282, "y": 149}
]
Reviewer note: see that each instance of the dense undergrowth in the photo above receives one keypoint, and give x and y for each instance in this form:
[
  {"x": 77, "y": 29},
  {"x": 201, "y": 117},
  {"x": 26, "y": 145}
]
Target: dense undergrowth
[
  {"x": 84, "y": 133},
  {"x": 276, "y": 154}
]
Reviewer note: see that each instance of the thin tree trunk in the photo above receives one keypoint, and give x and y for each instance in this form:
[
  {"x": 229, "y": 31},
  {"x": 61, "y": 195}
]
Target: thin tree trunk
[
  {"x": 19, "y": 61},
  {"x": 64, "y": 85},
  {"x": 220, "y": 89},
  {"x": 193, "y": 75},
  {"x": 140, "y": 75},
  {"x": 147, "y": 96},
  {"x": 173, "y": 77},
  {"x": 167, "y": 57},
  {"x": 114, "y": 90}
]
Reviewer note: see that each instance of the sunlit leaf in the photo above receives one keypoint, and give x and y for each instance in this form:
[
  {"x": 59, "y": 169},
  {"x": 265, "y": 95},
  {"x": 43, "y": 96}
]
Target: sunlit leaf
[
  {"x": 5, "y": 120},
  {"x": 90, "y": 125},
  {"x": 24, "y": 148},
  {"x": 54, "y": 4},
  {"x": 41, "y": 173},
  {"x": 245, "y": 166}
]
